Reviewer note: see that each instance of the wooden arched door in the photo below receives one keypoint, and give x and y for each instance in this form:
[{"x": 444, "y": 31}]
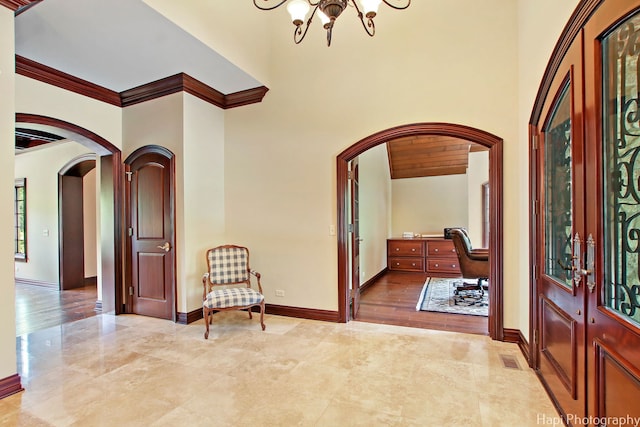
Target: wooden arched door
[
  {"x": 586, "y": 217},
  {"x": 150, "y": 189}
]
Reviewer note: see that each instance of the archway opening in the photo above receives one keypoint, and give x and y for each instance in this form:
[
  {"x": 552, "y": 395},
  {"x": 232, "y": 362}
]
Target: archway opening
[
  {"x": 109, "y": 157},
  {"x": 493, "y": 143}
]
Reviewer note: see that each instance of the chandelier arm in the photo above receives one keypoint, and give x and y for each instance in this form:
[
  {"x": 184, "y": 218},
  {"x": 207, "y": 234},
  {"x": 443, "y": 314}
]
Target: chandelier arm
[
  {"x": 369, "y": 27},
  {"x": 255, "y": 2},
  {"x": 298, "y": 35},
  {"x": 397, "y": 7}
]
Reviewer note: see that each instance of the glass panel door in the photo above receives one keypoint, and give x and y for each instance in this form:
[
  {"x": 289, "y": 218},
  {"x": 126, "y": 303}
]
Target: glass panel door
[
  {"x": 558, "y": 212},
  {"x": 621, "y": 167}
]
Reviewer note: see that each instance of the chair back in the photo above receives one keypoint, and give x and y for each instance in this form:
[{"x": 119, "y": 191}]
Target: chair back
[
  {"x": 461, "y": 241},
  {"x": 473, "y": 264},
  {"x": 228, "y": 264}
]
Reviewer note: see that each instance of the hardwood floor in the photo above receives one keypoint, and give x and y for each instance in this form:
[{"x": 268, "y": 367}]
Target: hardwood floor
[
  {"x": 392, "y": 300},
  {"x": 40, "y": 307}
]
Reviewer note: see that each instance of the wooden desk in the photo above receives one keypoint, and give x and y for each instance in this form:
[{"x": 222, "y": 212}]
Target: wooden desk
[{"x": 436, "y": 256}]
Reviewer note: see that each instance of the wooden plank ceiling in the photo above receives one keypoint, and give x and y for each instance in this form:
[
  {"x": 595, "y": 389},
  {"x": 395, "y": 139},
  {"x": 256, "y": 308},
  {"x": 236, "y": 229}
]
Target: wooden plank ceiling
[{"x": 429, "y": 155}]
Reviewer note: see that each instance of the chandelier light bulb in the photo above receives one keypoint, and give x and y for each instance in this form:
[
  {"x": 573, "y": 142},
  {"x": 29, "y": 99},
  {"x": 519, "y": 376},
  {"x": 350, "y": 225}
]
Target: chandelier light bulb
[
  {"x": 370, "y": 7},
  {"x": 298, "y": 10},
  {"x": 323, "y": 18}
]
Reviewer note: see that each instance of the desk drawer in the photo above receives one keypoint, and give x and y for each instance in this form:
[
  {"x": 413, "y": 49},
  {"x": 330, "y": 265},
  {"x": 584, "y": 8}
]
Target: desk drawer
[
  {"x": 405, "y": 248},
  {"x": 441, "y": 248},
  {"x": 406, "y": 264},
  {"x": 443, "y": 265}
]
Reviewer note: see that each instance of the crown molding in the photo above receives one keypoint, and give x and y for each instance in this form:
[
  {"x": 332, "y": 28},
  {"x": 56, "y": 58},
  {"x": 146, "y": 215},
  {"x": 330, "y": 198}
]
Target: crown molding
[
  {"x": 153, "y": 90},
  {"x": 17, "y": 4},
  {"x": 177, "y": 83},
  {"x": 245, "y": 97},
  {"x": 35, "y": 70}
]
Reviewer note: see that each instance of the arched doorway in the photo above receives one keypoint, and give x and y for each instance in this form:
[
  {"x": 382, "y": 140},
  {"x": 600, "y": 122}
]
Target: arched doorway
[
  {"x": 71, "y": 221},
  {"x": 494, "y": 143},
  {"x": 109, "y": 157}
]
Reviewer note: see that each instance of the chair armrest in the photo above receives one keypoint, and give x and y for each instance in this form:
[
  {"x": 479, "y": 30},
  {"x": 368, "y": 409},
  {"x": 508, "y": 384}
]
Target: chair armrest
[
  {"x": 479, "y": 255},
  {"x": 205, "y": 278},
  {"x": 480, "y": 251},
  {"x": 257, "y": 275}
]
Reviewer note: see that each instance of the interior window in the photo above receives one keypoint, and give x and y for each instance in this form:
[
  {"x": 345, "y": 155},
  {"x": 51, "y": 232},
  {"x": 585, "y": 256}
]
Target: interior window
[{"x": 20, "y": 207}]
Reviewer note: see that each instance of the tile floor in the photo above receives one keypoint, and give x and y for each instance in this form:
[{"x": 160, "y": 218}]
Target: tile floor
[{"x": 136, "y": 371}]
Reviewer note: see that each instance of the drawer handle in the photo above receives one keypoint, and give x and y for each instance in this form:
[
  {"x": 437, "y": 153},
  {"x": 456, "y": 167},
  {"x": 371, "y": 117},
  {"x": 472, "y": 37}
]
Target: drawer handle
[
  {"x": 397, "y": 249},
  {"x": 397, "y": 263},
  {"x": 437, "y": 265},
  {"x": 435, "y": 250},
  {"x": 453, "y": 265},
  {"x": 413, "y": 264},
  {"x": 413, "y": 249}
]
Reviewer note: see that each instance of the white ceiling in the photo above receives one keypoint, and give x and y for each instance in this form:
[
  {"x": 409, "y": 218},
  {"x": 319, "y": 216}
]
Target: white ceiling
[{"x": 120, "y": 44}]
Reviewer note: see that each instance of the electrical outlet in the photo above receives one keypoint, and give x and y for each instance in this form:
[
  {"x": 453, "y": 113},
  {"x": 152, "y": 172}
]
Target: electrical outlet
[{"x": 279, "y": 293}]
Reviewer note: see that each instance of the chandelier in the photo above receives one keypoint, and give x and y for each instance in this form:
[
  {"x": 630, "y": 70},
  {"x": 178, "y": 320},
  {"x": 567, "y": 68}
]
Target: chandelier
[{"x": 328, "y": 11}]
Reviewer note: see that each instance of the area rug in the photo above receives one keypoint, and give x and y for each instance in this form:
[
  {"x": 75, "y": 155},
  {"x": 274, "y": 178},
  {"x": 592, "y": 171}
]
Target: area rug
[{"x": 438, "y": 295}]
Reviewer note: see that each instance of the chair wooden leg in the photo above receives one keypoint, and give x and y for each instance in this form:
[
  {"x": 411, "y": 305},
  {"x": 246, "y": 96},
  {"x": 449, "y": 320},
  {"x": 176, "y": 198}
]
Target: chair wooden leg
[
  {"x": 250, "y": 314},
  {"x": 262, "y": 315},
  {"x": 205, "y": 313}
]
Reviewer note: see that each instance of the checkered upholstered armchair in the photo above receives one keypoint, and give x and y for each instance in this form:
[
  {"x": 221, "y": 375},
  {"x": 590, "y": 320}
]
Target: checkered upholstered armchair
[{"x": 228, "y": 266}]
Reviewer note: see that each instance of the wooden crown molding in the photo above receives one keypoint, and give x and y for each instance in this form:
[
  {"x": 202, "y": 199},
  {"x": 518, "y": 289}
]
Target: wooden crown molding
[
  {"x": 177, "y": 83},
  {"x": 35, "y": 70},
  {"x": 17, "y": 4}
]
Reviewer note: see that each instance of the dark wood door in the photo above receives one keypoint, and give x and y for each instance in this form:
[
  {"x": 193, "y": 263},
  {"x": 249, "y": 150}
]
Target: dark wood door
[
  {"x": 151, "y": 233},
  {"x": 71, "y": 232},
  {"x": 355, "y": 238},
  {"x": 560, "y": 300},
  {"x": 612, "y": 65}
]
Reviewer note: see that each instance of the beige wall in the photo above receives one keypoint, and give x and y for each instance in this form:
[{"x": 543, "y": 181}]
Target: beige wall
[
  {"x": 8, "y": 365},
  {"x": 375, "y": 210},
  {"x": 90, "y": 217},
  {"x": 280, "y": 154},
  {"x": 103, "y": 119},
  {"x": 40, "y": 168},
  {"x": 540, "y": 23},
  {"x": 203, "y": 195},
  {"x": 429, "y": 204},
  {"x": 477, "y": 174}
]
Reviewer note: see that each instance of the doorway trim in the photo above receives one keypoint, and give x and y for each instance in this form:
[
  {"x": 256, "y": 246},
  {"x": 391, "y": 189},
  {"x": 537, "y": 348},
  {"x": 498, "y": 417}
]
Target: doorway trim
[
  {"x": 110, "y": 189},
  {"x": 494, "y": 143}
]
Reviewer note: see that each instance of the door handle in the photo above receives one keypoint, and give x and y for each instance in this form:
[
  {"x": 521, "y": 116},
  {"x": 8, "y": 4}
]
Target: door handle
[
  {"x": 166, "y": 247},
  {"x": 591, "y": 264}
]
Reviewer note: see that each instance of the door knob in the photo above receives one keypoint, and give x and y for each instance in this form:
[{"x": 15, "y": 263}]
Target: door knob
[{"x": 166, "y": 247}]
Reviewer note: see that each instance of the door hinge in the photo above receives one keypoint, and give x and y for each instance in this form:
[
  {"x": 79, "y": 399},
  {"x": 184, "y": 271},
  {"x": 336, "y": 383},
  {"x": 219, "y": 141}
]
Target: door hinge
[
  {"x": 535, "y": 271},
  {"x": 535, "y": 336},
  {"x": 536, "y": 208},
  {"x": 348, "y": 174},
  {"x": 350, "y": 228},
  {"x": 130, "y": 231},
  {"x": 534, "y": 142},
  {"x": 130, "y": 290},
  {"x": 128, "y": 174}
]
